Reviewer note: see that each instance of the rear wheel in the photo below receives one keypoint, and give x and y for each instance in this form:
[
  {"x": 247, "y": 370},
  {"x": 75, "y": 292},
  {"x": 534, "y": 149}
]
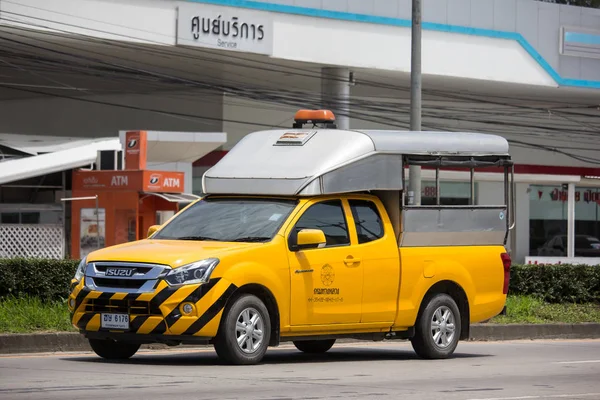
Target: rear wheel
[
  {"x": 314, "y": 346},
  {"x": 113, "y": 350},
  {"x": 438, "y": 328},
  {"x": 245, "y": 331}
]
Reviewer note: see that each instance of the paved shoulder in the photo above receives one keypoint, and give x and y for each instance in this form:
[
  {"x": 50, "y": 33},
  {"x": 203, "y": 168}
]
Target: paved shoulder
[{"x": 480, "y": 370}]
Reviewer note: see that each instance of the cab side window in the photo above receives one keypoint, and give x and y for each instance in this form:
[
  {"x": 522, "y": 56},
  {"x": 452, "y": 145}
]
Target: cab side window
[
  {"x": 369, "y": 226},
  {"x": 327, "y": 216}
]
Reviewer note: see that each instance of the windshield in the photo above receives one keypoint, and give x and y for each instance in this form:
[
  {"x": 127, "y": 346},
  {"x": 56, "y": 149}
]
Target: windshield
[{"x": 229, "y": 220}]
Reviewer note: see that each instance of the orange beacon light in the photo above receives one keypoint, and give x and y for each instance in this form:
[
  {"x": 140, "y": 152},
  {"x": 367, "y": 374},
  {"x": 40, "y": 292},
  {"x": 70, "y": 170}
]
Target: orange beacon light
[{"x": 315, "y": 117}]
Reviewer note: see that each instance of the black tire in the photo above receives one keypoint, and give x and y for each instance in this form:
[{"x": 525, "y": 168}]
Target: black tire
[
  {"x": 314, "y": 346},
  {"x": 112, "y": 350},
  {"x": 226, "y": 341},
  {"x": 423, "y": 342}
]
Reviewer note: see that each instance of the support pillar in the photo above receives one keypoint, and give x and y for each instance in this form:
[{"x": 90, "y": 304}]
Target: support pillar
[
  {"x": 64, "y": 214},
  {"x": 414, "y": 171},
  {"x": 335, "y": 94},
  {"x": 571, "y": 220}
]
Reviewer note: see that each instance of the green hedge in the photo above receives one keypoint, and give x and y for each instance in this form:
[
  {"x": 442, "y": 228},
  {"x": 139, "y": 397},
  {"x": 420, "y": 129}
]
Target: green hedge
[
  {"x": 557, "y": 283},
  {"x": 41, "y": 278},
  {"x": 49, "y": 280}
]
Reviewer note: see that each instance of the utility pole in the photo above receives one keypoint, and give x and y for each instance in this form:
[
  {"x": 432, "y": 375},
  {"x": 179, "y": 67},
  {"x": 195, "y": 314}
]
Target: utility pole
[{"x": 414, "y": 172}]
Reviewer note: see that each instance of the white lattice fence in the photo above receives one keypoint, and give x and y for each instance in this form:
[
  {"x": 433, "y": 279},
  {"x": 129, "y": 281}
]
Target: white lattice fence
[{"x": 32, "y": 241}]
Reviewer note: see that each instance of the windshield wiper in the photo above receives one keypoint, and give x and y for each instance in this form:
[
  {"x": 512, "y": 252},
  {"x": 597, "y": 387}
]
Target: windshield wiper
[
  {"x": 196, "y": 238},
  {"x": 252, "y": 239}
]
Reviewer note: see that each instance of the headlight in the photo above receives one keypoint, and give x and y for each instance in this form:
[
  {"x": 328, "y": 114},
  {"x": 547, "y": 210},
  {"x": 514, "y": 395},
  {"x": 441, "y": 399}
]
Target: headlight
[
  {"x": 80, "y": 269},
  {"x": 197, "y": 272}
]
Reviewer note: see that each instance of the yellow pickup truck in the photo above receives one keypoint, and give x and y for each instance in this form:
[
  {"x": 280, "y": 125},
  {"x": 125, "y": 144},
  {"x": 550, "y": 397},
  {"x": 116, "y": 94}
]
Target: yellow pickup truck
[{"x": 305, "y": 236}]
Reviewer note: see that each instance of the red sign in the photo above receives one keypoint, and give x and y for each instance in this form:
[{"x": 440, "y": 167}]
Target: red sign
[
  {"x": 163, "y": 181},
  {"x": 135, "y": 150},
  {"x": 141, "y": 181},
  {"x": 589, "y": 196},
  {"x": 107, "y": 180}
]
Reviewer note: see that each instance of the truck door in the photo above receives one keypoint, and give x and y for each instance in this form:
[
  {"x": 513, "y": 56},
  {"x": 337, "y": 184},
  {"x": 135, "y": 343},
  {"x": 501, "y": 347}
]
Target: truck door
[
  {"x": 377, "y": 248},
  {"x": 326, "y": 283}
]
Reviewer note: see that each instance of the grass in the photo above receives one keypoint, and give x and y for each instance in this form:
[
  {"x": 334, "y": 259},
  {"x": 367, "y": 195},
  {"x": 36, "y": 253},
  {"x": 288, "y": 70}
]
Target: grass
[
  {"x": 28, "y": 315},
  {"x": 531, "y": 310}
]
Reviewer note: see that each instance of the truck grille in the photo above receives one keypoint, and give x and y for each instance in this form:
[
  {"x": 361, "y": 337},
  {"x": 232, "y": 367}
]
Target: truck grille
[
  {"x": 120, "y": 283},
  {"x": 132, "y": 307},
  {"x": 124, "y": 277}
]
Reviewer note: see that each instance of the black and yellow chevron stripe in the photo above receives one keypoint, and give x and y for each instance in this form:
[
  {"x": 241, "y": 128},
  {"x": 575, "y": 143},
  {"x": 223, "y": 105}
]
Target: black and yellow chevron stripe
[{"x": 209, "y": 300}]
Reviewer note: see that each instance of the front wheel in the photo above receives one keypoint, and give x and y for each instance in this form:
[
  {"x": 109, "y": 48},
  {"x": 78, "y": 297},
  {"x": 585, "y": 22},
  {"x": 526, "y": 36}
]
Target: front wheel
[
  {"x": 438, "y": 328},
  {"x": 245, "y": 331},
  {"x": 112, "y": 350},
  {"x": 314, "y": 346}
]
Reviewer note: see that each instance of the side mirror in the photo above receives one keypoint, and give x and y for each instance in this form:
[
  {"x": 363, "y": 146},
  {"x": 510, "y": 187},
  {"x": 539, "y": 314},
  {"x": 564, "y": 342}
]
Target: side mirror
[
  {"x": 153, "y": 230},
  {"x": 310, "y": 239}
]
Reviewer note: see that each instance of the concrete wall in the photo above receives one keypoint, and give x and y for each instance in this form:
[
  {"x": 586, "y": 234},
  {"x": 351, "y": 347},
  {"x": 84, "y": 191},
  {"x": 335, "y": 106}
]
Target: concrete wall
[
  {"x": 141, "y": 21},
  {"x": 65, "y": 117},
  {"x": 372, "y": 45},
  {"x": 538, "y": 22}
]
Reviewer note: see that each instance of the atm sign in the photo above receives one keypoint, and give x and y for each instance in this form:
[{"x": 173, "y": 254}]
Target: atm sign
[
  {"x": 172, "y": 182},
  {"x": 164, "y": 181}
]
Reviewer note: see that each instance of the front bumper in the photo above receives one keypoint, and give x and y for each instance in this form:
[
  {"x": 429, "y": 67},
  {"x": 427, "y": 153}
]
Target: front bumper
[{"x": 157, "y": 316}]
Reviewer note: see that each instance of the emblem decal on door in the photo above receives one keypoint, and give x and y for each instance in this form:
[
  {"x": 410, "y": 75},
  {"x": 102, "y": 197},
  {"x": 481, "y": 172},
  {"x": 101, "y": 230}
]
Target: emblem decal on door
[
  {"x": 327, "y": 278},
  {"x": 327, "y": 275}
]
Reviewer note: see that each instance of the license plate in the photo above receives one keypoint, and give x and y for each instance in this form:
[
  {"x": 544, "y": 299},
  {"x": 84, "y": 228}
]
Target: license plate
[{"x": 115, "y": 321}]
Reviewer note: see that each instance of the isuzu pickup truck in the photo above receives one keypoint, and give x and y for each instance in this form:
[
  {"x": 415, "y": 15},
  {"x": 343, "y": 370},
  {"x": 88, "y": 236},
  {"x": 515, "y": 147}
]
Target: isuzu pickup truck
[{"x": 304, "y": 235}]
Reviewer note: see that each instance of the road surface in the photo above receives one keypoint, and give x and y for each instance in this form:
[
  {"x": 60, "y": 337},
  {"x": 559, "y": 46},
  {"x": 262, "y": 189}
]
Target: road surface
[{"x": 492, "y": 371}]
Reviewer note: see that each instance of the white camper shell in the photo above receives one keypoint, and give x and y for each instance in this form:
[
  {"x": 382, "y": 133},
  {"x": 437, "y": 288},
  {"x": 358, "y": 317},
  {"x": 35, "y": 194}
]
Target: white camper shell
[{"x": 309, "y": 162}]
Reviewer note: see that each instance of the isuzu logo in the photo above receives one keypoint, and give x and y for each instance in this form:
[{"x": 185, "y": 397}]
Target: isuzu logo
[{"x": 127, "y": 272}]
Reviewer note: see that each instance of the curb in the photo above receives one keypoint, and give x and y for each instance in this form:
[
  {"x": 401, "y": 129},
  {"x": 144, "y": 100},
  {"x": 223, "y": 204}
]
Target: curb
[
  {"x": 74, "y": 341},
  {"x": 497, "y": 332},
  {"x": 42, "y": 343},
  {"x": 51, "y": 343}
]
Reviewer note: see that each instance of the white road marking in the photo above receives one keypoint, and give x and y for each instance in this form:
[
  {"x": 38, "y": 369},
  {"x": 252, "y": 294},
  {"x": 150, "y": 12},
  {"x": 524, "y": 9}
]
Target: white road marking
[
  {"x": 579, "y": 362},
  {"x": 555, "y": 396}
]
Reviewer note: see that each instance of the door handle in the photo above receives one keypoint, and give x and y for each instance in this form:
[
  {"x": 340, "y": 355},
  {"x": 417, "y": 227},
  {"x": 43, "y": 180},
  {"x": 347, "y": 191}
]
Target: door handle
[
  {"x": 351, "y": 260},
  {"x": 301, "y": 271}
]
